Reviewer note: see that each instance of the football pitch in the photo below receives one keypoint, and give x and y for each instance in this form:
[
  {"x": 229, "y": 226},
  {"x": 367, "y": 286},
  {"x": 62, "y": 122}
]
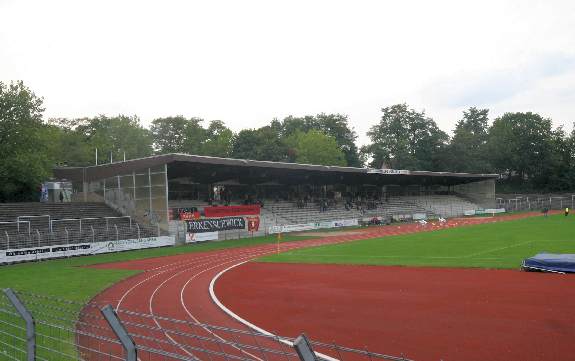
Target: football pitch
[{"x": 491, "y": 245}]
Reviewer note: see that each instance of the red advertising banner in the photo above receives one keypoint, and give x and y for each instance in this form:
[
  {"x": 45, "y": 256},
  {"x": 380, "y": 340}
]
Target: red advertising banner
[
  {"x": 230, "y": 211},
  {"x": 188, "y": 216},
  {"x": 253, "y": 224}
]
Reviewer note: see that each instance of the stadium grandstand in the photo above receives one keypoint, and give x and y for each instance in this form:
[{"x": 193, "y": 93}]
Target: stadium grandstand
[{"x": 158, "y": 200}]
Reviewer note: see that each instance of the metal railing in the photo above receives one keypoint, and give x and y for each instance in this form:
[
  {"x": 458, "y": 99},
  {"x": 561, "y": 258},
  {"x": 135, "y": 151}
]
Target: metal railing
[
  {"x": 36, "y": 327},
  {"x": 536, "y": 202},
  {"x": 72, "y": 231}
]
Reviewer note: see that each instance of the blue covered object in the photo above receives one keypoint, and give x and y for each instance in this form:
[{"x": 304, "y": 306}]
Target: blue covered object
[{"x": 549, "y": 262}]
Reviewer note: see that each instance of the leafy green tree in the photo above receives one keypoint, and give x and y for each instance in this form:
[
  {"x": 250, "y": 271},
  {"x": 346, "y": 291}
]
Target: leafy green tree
[
  {"x": 259, "y": 144},
  {"x": 334, "y": 125},
  {"x": 522, "y": 146},
  {"x": 66, "y": 146},
  {"x": 315, "y": 147},
  {"x": 178, "y": 135},
  {"x": 467, "y": 150},
  {"x": 218, "y": 141},
  {"x": 406, "y": 139},
  {"x": 24, "y": 163},
  {"x": 115, "y": 136}
]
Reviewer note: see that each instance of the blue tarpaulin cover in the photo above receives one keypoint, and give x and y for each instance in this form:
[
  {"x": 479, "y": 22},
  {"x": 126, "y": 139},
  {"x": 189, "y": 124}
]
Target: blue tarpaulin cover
[{"x": 551, "y": 262}]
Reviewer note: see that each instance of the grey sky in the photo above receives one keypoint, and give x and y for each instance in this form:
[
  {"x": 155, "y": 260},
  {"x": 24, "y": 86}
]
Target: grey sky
[{"x": 246, "y": 62}]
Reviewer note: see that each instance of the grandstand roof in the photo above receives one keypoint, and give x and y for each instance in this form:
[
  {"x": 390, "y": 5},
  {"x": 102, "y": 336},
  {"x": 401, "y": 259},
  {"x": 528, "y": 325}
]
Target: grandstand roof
[{"x": 213, "y": 169}]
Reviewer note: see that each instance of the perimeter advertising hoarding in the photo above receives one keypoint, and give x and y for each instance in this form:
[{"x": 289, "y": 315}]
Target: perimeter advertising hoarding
[
  {"x": 311, "y": 226},
  {"x": 201, "y": 237},
  {"x": 214, "y": 225},
  {"x": 82, "y": 249},
  {"x": 491, "y": 211}
]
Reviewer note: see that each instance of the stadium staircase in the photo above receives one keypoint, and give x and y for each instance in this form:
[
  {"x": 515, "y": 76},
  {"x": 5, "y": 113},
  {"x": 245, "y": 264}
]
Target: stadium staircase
[{"x": 99, "y": 223}]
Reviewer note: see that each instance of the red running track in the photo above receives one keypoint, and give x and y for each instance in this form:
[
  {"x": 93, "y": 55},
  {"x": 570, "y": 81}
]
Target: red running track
[
  {"x": 424, "y": 313},
  {"x": 177, "y": 286}
]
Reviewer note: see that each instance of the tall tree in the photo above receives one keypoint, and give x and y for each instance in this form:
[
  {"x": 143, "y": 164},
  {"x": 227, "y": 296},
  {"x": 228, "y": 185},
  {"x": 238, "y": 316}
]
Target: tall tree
[
  {"x": 334, "y": 125},
  {"x": 218, "y": 142},
  {"x": 406, "y": 139},
  {"x": 178, "y": 135},
  {"x": 259, "y": 144},
  {"x": 116, "y": 136},
  {"x": 24, "y": 163},
  {"x": 315, "y": 147},
  {"x": 522, "y": 145},
  {"x": 467, "y": 150}
]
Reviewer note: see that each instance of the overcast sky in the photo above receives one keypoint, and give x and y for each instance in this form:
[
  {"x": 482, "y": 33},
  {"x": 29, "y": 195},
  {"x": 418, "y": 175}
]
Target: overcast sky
[{"x": 246, "y": 62}]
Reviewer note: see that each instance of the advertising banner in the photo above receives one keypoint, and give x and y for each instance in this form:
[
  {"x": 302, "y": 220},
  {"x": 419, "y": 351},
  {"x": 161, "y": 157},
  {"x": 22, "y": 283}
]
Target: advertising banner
[
  {"x": 495, "y": 210},
  {"x": 491, "y": 211},
  {"x": 418, "y": 216},
  {"x": 229, "y": 211},
  {"x": 82, "y": 249},
  {"x": 185, "y": 214},
  {"x": 253, "y": 224},
  {"x": 388, "y": 171},
  {"x": 201, "y": 237},
  {"x": 212, "y": 225},
  {"x": 312, "y": 226}
]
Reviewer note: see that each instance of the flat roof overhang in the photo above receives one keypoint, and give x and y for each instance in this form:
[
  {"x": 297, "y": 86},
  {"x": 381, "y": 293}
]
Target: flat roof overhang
[{"x": 204, "y": 169}]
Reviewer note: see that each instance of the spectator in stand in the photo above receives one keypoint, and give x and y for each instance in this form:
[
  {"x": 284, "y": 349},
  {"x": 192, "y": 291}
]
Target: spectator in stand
[{"x": 300, "y": 203}]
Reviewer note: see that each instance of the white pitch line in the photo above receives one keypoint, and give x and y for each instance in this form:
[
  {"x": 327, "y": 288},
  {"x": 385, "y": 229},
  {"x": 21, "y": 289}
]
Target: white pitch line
[{"x": 497, "y": 249}]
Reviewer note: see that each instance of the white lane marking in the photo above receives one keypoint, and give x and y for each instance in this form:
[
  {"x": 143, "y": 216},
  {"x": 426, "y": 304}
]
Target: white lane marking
[
  {"x": 247, "y": 323},
  {"x": 182, "y": 302},
  {"x": 151, "y": 299},
  {"x": 272, "y": 247},
  {"x": 189, "y": 263}
]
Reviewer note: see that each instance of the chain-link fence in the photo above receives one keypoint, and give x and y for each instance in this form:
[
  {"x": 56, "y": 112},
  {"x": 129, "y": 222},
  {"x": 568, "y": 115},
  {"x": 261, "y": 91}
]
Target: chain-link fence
[{"x": 35, "y": 327}]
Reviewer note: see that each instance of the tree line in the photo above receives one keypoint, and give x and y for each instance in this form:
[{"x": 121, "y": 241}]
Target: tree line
[{"x": 524, "y": 148}]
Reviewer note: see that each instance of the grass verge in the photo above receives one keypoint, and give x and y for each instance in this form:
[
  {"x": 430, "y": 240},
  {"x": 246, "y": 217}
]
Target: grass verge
[{"x": 67, "y": 278}]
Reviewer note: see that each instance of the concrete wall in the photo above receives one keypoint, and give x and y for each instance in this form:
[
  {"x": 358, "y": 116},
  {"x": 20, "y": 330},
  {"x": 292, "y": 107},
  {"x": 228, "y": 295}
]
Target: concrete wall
[{"x": 482, "y": 193}]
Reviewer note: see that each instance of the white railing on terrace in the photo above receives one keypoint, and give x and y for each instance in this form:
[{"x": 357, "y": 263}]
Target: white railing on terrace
[{"x": 71, "y": 231}]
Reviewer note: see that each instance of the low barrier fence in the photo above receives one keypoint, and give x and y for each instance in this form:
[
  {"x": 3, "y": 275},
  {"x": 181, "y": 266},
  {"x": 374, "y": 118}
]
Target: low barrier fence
[
  {"x": 536, "y": 203},
  {"x": 21, "y": 234},
  {"x": 35, "y": 327}
]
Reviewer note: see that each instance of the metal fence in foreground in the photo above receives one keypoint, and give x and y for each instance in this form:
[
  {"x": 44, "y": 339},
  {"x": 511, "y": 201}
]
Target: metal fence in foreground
[{"x": 35, "y": 327}]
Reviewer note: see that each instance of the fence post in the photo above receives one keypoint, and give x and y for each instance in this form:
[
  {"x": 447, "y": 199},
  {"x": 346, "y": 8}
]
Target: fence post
[
  {"x": 93, "y": 233},
  {"x": 303, "y": 348},
  {"x": 138, "y": 227},
  {"x": 120, "y": 331},
  {"x": 30, "y": 324}
]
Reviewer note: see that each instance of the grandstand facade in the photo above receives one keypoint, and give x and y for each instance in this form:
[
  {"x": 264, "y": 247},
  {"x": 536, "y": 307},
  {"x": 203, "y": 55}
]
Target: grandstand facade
[{"x": 157, "y": 191}]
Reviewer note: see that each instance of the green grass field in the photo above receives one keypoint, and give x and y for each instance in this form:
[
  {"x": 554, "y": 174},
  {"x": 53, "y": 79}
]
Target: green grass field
[
  {"x": 494, "y": 245},
  {"x": 66, "y": 278}
]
